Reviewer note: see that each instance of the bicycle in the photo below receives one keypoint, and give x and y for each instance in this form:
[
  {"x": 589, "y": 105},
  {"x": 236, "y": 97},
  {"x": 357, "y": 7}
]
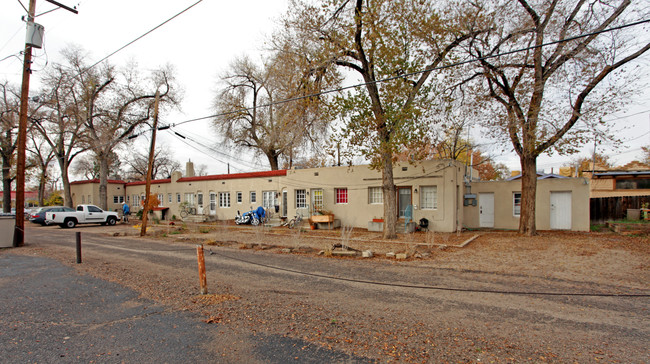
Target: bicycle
[
  {"x": 295, "y": 221},
  {"x": 187, "y": 210}
]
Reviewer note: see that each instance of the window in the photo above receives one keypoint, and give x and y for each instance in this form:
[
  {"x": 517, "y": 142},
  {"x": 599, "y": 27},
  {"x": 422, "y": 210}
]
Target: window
[
  {"x": 268, "y": 199},
  {"x": 178, "y": 198},
  {"x": 199, "y": 199},
  {"x": 169, "y": 197},
  {"x": 239, "y": 197},
  {"x": 375, "y": 195},
  {"x": 301, "y": 199},
  {"x": 633, "y": 184},
  {"x": 89, "y": 199},
  {"x": 189, "y": 198},
  {"x": 161, "y": 199},
  {"x": 317, "y": 199},
  {"x": 83, "y": 199},
  {"x": 224, "y": 199},
  {"x": 118, "y": 199},
  {"x": 213, "y": 201},
  {"x": 253, "y": 197},
  {"x": 94, "y": 209},
  {"x": 341, "y": 195},
  {"x": 429, "y": 197},
  {"x": 516, "y": 203}
]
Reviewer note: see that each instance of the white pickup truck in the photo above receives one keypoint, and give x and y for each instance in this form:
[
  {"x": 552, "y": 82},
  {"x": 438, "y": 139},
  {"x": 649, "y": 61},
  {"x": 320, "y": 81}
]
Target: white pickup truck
[{"x": 85, "y": 214}]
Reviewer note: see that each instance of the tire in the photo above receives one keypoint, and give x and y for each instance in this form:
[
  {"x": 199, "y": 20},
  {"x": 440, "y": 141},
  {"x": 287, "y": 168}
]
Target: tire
[
  {"x": 111, "y": 221},
  {"x": 292, "y": 222},
  {"x": 70, "y": 223},
  {"x": 255, "y": 221},
  {"x": 184, "y": 213}
]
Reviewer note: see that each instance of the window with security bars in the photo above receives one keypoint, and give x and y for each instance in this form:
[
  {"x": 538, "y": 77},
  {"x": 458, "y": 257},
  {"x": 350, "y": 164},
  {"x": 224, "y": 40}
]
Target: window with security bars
[
  {"x": 301, "y": 199},
  {"x": 341, "y": 195},
  {"x": 429, "y": 197},
  {"x": 239, "y": 197},
  {"x": 375, "y": 195},
  {"x": 224, "y": 199},
  {"x": 253, "y": 197}
]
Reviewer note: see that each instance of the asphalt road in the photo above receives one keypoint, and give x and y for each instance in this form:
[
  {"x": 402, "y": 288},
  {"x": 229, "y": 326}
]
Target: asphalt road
[{"x": 51, "y": 313}]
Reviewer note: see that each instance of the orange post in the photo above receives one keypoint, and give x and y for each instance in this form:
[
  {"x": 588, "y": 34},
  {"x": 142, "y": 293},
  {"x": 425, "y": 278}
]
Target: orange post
[{"x": 202, "y": 276}]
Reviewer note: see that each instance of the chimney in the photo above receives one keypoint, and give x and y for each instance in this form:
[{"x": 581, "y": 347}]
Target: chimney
[{"x": 189, "y": 169}]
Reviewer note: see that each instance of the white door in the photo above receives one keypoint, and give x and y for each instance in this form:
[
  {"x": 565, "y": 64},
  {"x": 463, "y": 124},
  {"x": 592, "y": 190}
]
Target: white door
[
  {"x": 561, "y": 210},
  {"x": 486, "y": 209},
  {"x": 213, "y": 203},
  {"x": 199, "y": 207}
]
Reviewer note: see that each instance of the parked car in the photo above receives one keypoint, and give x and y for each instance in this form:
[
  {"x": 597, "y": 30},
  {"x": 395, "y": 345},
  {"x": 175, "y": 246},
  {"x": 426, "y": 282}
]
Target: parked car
[
  {"x": 38, "y": 216},
  {"x": 85, "y": 214}
]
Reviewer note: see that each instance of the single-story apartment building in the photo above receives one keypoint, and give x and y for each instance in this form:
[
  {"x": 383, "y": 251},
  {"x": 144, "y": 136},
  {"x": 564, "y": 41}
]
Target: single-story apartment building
[{"x": 438, "y": 190}]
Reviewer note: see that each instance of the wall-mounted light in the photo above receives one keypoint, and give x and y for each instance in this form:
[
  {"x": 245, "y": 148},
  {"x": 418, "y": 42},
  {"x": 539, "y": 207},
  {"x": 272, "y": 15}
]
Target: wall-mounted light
[{"x": 415, "y": 190}]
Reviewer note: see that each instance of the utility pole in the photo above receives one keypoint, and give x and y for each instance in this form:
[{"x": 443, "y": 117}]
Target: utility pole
[
  {"x": 147, "y": 189},
  {"x": 19, "y": 229}
]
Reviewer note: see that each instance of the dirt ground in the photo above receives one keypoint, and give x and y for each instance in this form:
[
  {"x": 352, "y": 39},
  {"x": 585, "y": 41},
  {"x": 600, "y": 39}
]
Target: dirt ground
[
  {"x": 375, "y": 325},
  {"x": 608, "y": 256}
]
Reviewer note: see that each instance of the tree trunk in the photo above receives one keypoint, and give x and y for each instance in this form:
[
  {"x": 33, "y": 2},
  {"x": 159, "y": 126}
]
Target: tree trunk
[
  {"x": 528, "y": 195},
  {"x": 273, "y": 159},
  {"x": 103, "y": 180},
  {"x": 390, "y": 198},
  {"x": 41, "y": 189},
  {"x": 67, "y": 195},
  {"x": 6, "y": 183}
]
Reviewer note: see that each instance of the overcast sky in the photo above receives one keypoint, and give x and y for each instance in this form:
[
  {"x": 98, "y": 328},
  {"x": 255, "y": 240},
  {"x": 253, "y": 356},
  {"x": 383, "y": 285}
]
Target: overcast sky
[{"x": 200, "y": 44}]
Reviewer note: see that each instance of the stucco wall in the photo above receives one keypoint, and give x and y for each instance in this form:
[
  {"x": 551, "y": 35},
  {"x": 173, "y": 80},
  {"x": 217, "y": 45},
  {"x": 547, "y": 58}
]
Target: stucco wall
[
  {"x": 504, "y": 217},
  {"x": 88, "y": 193},
  {"x": 446, "y": 176}
]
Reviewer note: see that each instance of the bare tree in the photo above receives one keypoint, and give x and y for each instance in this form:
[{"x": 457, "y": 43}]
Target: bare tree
[
  {"x": 9, "y": 110},
  {"x": 42, "y": 156},
  {"x": 564, "y": 73},
  {"x": 62, "y": 122},
  {"x": 248, "y": 117},
  {"x": 164, "y": 164},
  {"x": 87, "y": 166}
]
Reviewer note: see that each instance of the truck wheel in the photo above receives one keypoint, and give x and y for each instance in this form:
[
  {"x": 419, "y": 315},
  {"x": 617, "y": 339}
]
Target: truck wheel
[
  {"x": 70, "y": 223},
  {"x": 111, "y": 221}
]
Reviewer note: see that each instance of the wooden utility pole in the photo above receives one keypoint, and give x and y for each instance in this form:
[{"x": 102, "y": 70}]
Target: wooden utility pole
[
  {"x": 147, "y": 189},
  {"x": 19, "y": 230}
]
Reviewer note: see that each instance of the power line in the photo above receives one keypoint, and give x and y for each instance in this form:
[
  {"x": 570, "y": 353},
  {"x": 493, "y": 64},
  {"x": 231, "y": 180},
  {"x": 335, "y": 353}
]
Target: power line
[
  {"x": 136, "y": 39},
  {"x": 415, "y": 73}
]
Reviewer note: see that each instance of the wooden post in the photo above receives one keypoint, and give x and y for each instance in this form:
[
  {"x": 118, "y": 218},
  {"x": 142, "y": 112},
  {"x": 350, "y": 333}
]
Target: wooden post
[
  {"x": 202, "y": 276},
  {"x": 78, "y": 247},
  {"x": 145, "y": 211},
  {"x": 19, "y": 231}
]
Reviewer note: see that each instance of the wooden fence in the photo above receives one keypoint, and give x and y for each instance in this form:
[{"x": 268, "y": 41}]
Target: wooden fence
[{"x": 614, "y": 208}]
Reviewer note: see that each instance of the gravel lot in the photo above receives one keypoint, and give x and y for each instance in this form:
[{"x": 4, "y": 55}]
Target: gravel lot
[{"x": 457, "y": 317}]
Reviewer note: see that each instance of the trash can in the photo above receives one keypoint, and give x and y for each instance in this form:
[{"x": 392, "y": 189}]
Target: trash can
[{"x": 7, "y": 226}]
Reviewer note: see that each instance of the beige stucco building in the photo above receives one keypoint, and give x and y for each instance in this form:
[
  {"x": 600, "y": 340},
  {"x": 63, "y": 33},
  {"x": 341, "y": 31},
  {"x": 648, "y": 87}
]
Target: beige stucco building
[
  {"x": 436, "y": 190},
  {"x": 561, "y": 203}
]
